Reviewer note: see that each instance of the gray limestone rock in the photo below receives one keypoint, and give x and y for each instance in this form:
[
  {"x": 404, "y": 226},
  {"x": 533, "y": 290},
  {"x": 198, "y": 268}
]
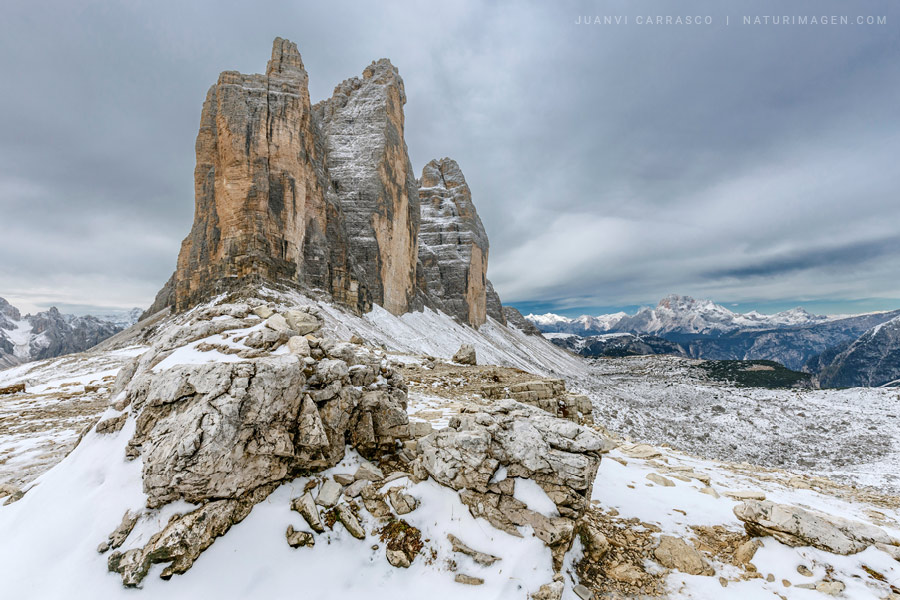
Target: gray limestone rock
[
  {"x": 465, "y": 355},
  {"x": 453, "y": 245},
  {"x": 795, "y": 526}
]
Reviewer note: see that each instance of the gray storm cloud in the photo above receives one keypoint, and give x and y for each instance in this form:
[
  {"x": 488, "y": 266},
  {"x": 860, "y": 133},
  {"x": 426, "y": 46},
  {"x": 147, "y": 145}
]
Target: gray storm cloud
[{"x": 610, "y": 164}]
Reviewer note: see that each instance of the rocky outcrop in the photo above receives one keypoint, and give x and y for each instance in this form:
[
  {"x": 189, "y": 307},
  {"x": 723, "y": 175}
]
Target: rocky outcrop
[
  {"x": 515, "y": 318},
  {"x": 262, "y": 212},
  {"x": 224, "y": 434},
  {"x": 453, "y": 245},
  {"x": 371, "y": 178},
  {"x": 481, "y": 453},
  {"x": 795, "y": 526}
]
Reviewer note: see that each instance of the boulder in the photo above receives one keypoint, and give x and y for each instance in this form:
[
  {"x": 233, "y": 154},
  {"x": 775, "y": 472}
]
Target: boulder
[
  {"x": 302, "y": 322},
  {"x": 298, "y": 345},
  {"x": 465, "y": 355},
  {"x": 350, "y": 521},
  {"x": 795, "y": 526},
  {"x": 675, "y": 553},
  {"x": 306, "y": 506}
]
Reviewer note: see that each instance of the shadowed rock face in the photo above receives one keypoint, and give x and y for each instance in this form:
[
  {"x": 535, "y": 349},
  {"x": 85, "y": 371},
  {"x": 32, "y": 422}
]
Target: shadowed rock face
[
  {"x": 373, "y": 181},
  {"x": 262, "y": 212},
  {"x": 453, "y": 246}
]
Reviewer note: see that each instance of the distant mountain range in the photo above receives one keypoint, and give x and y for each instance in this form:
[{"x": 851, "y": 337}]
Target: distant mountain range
[
  {"x": 839, "y": 350},
  {"x": 50, "y": 333}
]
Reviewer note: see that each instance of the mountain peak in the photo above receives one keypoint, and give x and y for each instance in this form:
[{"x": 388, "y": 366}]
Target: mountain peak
[{"x": 285, "y": 58}]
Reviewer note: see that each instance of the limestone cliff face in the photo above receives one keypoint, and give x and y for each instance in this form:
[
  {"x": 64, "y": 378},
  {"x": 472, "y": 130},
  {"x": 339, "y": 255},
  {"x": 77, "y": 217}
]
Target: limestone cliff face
[
  {"x": 262, "y": 212},
  {"x": 453, "y": 246},
  {"x": 324, "y": 197},
  {"x": 373, "y": 181}
]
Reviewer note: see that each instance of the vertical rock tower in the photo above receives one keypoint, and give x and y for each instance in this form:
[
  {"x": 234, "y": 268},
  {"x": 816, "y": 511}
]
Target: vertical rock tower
[
  {"x": 324, "y": 197},
  {"x": 453, "y": 245},
  {"x": 373, "y": 180},
  {"x": 262, "y": 212}
]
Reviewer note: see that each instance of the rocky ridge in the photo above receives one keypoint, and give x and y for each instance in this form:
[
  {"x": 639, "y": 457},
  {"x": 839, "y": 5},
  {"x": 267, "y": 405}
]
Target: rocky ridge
[
  {"x": 291, "y": 401},
  {"x": 873, "y": 359}
]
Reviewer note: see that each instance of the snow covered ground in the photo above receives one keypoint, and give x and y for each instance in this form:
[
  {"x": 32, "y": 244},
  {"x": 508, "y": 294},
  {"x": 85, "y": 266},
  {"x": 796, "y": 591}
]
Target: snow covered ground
[{"x": 49, "y": 537}]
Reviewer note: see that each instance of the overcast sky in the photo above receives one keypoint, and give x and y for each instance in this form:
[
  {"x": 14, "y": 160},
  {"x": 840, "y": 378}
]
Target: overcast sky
[{"x": 756, "y": 165}]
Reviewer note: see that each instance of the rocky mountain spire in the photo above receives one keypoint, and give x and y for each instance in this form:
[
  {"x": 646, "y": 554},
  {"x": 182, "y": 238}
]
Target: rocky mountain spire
[
  {"x": 372, "y": 179},
  {"x": 324, "y": 197},
  {"x": 453, "y": 245},
  {"x": 260, "y": 181}
]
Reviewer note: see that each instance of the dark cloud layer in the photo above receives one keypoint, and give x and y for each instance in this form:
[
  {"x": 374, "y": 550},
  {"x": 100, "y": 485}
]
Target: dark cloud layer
[{"x": 611, "y": 164}]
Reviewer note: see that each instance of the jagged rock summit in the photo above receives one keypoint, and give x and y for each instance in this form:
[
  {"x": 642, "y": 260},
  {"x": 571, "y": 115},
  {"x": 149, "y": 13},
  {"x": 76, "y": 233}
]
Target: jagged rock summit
[{"x": 324, "y": 198}]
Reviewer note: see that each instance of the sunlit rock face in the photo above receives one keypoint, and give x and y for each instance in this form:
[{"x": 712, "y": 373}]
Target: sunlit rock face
[{"x": 262, "y": 212}]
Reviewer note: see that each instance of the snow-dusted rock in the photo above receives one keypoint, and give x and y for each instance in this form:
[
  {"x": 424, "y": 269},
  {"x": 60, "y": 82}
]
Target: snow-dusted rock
[
  {"x": 795, "y": 526},
  {"x": 465, "y": 355}
]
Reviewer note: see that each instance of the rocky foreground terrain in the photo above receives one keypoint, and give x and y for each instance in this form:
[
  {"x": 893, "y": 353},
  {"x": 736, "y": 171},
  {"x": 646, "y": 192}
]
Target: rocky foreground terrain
[{"x": 230, "y": 452}]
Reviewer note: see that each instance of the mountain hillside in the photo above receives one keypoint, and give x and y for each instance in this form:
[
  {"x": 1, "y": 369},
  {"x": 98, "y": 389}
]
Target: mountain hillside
[
  {"x": 50, "y": 333},
  {"x": 710, "y": 331},
  {"x": 873, "y": 359},
  {"x": 328, "y": 400}
]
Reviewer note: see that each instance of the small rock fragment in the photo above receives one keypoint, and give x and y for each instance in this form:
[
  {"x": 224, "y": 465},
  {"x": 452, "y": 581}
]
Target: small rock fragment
[
  {"x": 353, "y": 490},
  {"x": 343, "y": 478},
  {"x": 582, "y": 592},
  {"x": 468, "y": 579},
  {"x": 298, "y": 345},
  {"x": 710, "y": 492},
  {"x": 295, "y": 539},
  {"x": 746, "y": 495},
  {"x": 660, "y": 480},
  {"x": 481, "y": 558},
  {"x": 549, "y": 591},
  {"x": 402, "y": 502},
  {"x": 832, "y": 588},
  {"x": 329, "y": 493},
  {"x": 804, "y": 570},
  {"x": 369, "y": 472},
  {"x": 307, "y": 508},
  {"x": 397, "y": 558},
  {"x": 675, "y": 553},
  {"x": 349, "y": 520},
  {"x": 302, "y": 322},
  {"x": 745, "y": 552},
  {"x": 263, "y": 311}
]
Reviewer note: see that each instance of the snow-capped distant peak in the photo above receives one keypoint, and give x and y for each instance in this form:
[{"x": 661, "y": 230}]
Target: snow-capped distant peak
[{"x": 675, "y": 314}]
